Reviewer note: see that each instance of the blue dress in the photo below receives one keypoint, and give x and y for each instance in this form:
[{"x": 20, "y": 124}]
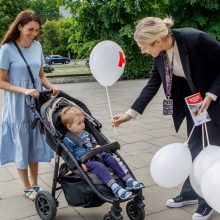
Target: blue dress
[{"x": 20, "y": 143}]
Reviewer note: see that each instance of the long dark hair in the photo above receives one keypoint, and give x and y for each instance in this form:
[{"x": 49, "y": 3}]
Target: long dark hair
[{"x": 22, "y": 18}]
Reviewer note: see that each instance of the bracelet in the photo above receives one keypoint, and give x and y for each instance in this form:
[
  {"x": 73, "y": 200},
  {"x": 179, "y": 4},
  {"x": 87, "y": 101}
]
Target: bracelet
[{"x": 24, "y": 91}]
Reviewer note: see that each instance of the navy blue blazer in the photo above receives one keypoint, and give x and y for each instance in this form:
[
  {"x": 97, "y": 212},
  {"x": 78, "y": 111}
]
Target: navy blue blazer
[{"x": 200, "y": 57}]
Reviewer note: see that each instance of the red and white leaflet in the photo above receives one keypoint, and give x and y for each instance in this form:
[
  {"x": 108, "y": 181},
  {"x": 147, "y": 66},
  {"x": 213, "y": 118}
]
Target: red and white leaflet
[{"x": 194, "y": 103}]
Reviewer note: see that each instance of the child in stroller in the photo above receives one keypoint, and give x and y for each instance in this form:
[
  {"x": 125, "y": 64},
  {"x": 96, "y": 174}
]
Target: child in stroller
[
  {"x": 73, "y": 120},
  {"x": 80, "y": 188}
]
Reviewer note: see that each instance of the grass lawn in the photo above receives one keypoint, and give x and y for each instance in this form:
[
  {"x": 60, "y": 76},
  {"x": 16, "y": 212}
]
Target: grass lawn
[{"x": 63, "y": 69}]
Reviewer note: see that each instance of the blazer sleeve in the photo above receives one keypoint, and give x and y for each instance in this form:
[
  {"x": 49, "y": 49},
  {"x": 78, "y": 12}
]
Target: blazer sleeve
[
  {"x": 149, "y": 91},
  {"x": 211, "y": 48}
]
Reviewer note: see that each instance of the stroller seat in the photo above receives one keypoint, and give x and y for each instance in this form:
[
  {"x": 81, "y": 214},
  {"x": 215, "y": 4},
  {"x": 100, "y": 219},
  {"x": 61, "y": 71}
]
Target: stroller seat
[{"x": 111, "y": 147}]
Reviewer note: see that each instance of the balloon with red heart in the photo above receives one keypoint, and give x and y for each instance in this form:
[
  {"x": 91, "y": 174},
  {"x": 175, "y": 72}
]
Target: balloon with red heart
[{"x": 107, "y": 62}]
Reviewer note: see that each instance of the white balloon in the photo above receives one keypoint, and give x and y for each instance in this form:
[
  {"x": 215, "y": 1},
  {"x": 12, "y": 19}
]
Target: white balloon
[
  {"x": 210, "y": 186},
  {"x": 171, "y": 165},
  {"x": 195, "y": 185},
  {"x": 204, "y": 160},
  {"x": 107, "y": 62}
]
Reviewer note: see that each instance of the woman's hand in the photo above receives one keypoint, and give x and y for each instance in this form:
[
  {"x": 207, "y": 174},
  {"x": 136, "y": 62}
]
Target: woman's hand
[
  {"x": 206, "y": 103},
  {"x": 32, "y": 92},
  {"x": 85, "y": 169},
  {"x": 55, "y": 89},
  {"x": 119, "y": 119}
]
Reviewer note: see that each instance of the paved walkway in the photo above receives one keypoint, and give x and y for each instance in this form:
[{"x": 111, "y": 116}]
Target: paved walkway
[{"x": 139, "y": 139}]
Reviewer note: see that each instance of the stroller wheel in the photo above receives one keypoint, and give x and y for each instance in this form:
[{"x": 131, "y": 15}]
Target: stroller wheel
[
  {"x": 108, "y": 216},
  {"x": 135, "y": 211},
  {"x": 45, "y": 205}
]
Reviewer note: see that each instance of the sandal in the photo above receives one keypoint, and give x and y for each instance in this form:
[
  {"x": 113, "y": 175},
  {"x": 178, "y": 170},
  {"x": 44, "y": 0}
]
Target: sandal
[
  {"x": 134, "y": 185},
  {"x": 122, "y": 193},
  {"x": 37, "y": 188},
  {"x": 30, "y": 194}
]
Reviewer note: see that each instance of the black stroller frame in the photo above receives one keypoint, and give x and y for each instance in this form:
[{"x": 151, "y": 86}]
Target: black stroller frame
[{"x": 46, "y": 203}]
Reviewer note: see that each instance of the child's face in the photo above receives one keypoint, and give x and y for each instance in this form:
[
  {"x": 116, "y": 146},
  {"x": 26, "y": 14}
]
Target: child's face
[{"x": 77, "y": 126}]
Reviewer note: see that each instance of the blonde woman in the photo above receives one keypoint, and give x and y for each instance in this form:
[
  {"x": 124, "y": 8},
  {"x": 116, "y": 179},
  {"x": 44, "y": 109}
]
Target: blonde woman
[{"x": 185, "y": 61}]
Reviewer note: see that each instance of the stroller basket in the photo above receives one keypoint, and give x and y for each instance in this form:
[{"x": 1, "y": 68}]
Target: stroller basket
[{"x": 78, "y": 193}]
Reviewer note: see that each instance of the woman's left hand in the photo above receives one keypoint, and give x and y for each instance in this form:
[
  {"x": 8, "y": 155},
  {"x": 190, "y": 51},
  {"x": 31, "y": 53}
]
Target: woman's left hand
[
  {"x": 206, "y": 103},
  {"x": 55, "y": 89}
]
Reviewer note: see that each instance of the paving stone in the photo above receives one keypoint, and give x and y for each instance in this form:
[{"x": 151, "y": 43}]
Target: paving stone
[
  {"x": 139, "y": 160},
  {"x": 156, "y": 197},
  {"x": 16, "y": 207},
  {"x": 67, "y": 213},
  {"x": 141, "y": 145},
  {"x": 5, "y": 175},
  {"x": 165, "y": 141},
  {"x": 171, "y": 214}
]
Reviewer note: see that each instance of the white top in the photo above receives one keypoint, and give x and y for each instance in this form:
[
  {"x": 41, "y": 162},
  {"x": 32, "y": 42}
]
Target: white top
[{"x": 177, "y": 64}]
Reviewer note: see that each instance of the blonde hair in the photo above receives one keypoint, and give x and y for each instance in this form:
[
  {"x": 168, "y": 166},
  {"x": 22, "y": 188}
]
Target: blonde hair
[
  {"x": 151, "y": 28},
  {"x": 69, "y": 113}
]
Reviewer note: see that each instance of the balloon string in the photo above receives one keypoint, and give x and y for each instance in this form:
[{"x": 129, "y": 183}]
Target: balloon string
[
  {"x": 190, "y": 134},
  {"x": 207, "y": 135},
  {"x": 203, "y": 137},
  {"x": 110, "y": 108}
]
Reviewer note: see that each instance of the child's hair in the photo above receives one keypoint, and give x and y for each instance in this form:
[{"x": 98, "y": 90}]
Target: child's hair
[{"x": 69, "y": 113}]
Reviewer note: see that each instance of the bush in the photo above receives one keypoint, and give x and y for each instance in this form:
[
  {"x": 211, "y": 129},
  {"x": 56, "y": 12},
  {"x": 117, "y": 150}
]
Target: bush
[
  {"x": 87, "y": 64},
  {"x": 48, "y": 68}
]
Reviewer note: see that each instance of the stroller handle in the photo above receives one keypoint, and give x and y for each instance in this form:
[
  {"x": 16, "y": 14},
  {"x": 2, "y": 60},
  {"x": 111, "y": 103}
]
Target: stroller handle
[
  {"x": 46, "y": 92},
  {"x": 111, "y": 148},
  {"x": 42, "y": 93}
]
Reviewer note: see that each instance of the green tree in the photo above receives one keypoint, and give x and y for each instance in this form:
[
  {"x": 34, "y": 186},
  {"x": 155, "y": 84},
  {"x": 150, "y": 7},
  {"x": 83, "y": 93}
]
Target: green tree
[
  {"x": 65, "y": 32},
  {"x": 8, "y": 11},
  {"x": 46, "y": 9},
  {"x": 115, "y": 20},
  {"x": 55, "y": 36},
  {"x": 200, "y": 14},
  {"x": 49, "y": 36}
]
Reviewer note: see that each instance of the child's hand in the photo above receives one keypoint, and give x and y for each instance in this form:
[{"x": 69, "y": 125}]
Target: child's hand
[
  {"x": 118, "y": 159},
  {"x": 85, "y": 169},
  {"x": 97, "y": 146}
]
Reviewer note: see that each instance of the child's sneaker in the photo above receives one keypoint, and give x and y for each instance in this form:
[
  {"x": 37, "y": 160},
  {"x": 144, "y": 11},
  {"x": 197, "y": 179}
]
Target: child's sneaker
[
  {"x": 133, "y": 184},
  {"x": 30, "y": 194}
]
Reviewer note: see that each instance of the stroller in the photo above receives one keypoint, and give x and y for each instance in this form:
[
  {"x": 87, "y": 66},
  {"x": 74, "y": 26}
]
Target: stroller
[{"x": 81, "y": 189}]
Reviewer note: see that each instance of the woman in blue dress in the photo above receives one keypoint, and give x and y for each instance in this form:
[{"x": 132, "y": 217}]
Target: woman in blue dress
[{"x": 19, "y": 143}]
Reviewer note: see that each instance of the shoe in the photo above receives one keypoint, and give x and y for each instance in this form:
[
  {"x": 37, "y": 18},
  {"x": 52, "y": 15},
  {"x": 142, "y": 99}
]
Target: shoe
[
  {"x": 122, "y": 193},
  {"x": 37, "y": 188},
  {"x": 133, "y": 184},
  {"x": 30, "y": 194},
  {"x": 202, "y": 213},
  {"x": 180, "y": 201}
]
